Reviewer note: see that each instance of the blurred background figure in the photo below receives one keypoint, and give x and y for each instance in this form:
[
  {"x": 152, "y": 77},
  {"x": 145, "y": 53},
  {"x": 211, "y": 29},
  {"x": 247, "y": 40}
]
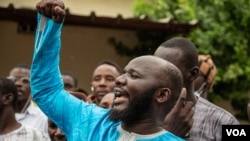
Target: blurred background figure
[
  {"x": 107, "y": 100},
  {"x": 82, "y": 91},
  {"x": 103, "y": 80},
  {"x": 55, "y": 133},
  {"x": 205, "y": 80},
  {"x": 26, "y": 112},
  {"x": 10, "y": 128},
  {"x": 70, "y": 81},
  {"x": 71, "y": 84}
]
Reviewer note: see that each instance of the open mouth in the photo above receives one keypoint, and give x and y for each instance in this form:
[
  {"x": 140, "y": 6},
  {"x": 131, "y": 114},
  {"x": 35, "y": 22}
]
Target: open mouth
[
  {"x": 20, "y": 92},
  {"x": 102, "y": 93},
  {"x": 119, "y": 93},
  {"x": 120, "y": 96}
]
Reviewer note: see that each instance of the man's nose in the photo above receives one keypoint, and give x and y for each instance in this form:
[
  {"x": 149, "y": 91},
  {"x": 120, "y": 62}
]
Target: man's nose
[
  {"x": 18, "y": 83},
  {"x": 102, "y": 81},
  {"x": 120, "y": 80},
  {"x": 59, "y": 132}
]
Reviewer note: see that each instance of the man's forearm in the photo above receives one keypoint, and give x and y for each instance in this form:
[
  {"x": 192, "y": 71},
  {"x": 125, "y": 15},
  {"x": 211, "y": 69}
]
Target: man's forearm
[{"x": 45, "y": 64}]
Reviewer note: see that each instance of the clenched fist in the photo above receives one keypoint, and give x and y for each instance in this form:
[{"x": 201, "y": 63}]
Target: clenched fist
[{"x": 52, "y": 9}]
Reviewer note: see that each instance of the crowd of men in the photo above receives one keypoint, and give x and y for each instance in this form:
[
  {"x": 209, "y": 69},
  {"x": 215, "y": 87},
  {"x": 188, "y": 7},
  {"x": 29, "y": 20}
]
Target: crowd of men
[{"x": 164, "y": 101}]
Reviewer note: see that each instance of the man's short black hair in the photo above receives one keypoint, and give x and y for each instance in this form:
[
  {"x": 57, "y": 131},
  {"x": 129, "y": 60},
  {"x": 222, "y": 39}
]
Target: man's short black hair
[
  {"x": 185, "y": 46},
  {"x": 6, "y": 87},
  {"x": 111, "y": 63},
  {"x": 68, "y": 73}
]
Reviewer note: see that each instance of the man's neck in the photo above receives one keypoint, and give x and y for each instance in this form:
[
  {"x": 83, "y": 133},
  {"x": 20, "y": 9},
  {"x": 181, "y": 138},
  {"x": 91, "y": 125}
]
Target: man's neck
[
  {"x": 22, "y": 106},
  {"x": 144, "y": 127},
  {"x": 8, "y": 122}
]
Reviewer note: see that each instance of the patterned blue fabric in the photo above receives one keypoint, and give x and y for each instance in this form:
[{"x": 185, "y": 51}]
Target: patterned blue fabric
[{"x": 79, "y": 121}]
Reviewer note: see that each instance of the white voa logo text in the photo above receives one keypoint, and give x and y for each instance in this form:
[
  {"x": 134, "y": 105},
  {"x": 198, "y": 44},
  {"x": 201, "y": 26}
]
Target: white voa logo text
[{"x": 236, "y": 132}]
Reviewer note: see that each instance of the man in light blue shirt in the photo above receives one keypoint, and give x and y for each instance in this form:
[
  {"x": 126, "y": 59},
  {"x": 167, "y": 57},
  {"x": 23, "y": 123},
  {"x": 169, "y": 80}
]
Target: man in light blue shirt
[{"x": 144, "y": 94}]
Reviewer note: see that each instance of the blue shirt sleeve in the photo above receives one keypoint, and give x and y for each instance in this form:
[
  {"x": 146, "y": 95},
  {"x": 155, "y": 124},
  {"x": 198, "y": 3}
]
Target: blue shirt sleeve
[{"x": 46, "y": 82}]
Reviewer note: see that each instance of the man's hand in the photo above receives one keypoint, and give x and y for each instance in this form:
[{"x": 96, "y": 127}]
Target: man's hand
[
  {"x": 180, "y": 120},
  {"x": 53, "y": 9}
]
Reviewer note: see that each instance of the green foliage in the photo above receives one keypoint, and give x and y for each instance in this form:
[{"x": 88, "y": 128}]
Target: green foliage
[
  {"x": 160, "y": 9},
  {"x": 223, "y": 32},
  {"x": 239, "y": 103},
  {"x": 147, "y": 44}
]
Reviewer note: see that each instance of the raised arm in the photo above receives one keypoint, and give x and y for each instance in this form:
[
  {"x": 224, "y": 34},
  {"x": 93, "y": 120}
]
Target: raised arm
[{"x": 46, "y": 82}]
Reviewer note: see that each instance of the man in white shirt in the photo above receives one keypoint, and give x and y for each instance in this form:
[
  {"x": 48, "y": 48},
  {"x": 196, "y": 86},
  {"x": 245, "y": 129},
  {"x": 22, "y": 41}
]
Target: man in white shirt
[
  {"x": 10, "y": 128},
  {"x": 27, "y": 112}
]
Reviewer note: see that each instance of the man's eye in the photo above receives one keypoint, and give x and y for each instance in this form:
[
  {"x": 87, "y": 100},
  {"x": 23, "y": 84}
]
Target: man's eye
[
  {"x": 26, "y": 81},
  {"x": 110, "y": 79},
  {"x": 97, "y": 79},
  {"x": 66, "y": 85},
  {"x": 134, "y": 76}
]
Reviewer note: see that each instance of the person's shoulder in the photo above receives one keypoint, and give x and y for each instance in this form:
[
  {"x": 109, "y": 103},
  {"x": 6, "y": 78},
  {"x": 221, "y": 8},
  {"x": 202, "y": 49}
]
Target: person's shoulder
[
  {"x": 32, "y": 133},
  {"x": 34, "y": 109},
  {"x": 204, "y": 105}
]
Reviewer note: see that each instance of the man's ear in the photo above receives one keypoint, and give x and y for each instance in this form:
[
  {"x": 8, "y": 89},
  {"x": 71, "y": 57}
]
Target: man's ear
[
  {"x": 193, "y": 73},
  {"x": 163, "y": 95},
  {"x": 7, "y": 98}
]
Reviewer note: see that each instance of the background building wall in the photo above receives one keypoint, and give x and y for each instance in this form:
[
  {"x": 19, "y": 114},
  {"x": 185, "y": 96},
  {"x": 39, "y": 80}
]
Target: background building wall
[{"x": 82, "y": 49}]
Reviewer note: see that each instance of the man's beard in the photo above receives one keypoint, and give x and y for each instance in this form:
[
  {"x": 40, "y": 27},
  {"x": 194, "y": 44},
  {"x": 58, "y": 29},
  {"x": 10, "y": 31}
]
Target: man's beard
[{"x": 136, "y": 109}]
